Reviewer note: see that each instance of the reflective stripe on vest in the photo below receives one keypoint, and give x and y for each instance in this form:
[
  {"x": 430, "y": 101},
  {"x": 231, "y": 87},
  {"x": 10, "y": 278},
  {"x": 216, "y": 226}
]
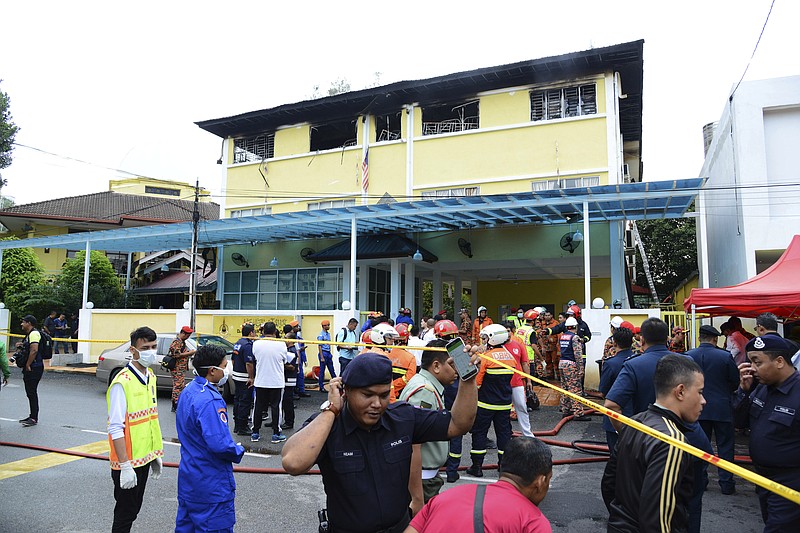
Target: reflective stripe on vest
[
  {"x": 142, "y": 431},
  {"x": 493, "y": 407}
]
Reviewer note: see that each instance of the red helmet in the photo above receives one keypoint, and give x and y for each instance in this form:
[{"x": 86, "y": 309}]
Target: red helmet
[
  {"x": 444, "y": 328},
  {"x": 575, "y": 310},
  {"x": 531, "y": 314},
  {"x": 365, "y": 338},
  {"x": 402, "y": 330}
]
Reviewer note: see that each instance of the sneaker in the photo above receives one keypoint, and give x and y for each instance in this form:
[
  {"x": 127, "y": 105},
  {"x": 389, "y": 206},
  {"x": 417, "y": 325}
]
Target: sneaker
[
  {"x": 23, "y": 420},
  {"x": 255, "y": 437},
  {"x": 728, "y": 490},
  {"x": 304, "y": 395},
  {"x": 287, "y": 426},
  {"x": 452, "y": 477},
  {"x": 475, "y": 471},
  {"x": 29, "y": 422},
  {"x": 278, "y": 437}
]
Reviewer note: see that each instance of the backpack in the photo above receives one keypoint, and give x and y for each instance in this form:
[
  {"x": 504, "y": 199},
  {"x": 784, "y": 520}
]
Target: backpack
[{"x": 45, "y": 346}]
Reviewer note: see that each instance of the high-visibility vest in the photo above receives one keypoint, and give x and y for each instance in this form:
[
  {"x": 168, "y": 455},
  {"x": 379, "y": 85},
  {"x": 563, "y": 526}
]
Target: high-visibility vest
[
  {"x": 524, "y": 334},
  {"x": 142, "y": 432}
]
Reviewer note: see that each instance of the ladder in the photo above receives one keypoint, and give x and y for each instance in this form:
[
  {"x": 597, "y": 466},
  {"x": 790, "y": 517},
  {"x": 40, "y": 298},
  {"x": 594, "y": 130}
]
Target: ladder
[{"x": 645, "y": 264}]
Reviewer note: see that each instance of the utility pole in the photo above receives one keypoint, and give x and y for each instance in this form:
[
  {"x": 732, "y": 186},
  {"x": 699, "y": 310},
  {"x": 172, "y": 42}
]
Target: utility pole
[{"x": 193, "y": 267}]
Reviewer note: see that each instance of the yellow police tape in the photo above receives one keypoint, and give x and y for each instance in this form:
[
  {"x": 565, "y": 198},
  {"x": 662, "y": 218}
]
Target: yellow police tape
[{"x": 761, "y": 481}]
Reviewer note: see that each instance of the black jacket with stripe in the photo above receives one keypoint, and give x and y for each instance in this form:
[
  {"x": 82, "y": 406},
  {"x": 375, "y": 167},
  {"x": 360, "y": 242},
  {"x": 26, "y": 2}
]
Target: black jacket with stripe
[{"x": 647, "y": 484}]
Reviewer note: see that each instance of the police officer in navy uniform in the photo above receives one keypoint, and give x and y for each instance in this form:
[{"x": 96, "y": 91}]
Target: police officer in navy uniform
[
  {"x": 721, "y": 379},
  {"x": 622, "y": 340},
  {"x": 769, "y": 392},
  {"x": 363, "y": 445},
  {"x": 634, "y": 388},
  {"x": 243, "y": 375}
]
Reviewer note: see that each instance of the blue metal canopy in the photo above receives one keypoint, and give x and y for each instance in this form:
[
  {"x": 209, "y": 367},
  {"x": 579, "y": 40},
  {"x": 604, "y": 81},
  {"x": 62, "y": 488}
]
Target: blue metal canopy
[{"x": 630, "y": 201}]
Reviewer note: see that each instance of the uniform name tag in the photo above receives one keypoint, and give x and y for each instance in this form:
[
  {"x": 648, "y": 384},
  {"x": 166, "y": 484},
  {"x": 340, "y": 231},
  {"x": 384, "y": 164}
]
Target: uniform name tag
[
  {"x": 784, "y": 410},
  {"x": 347, "y": 454},
  {"x": 758, "y": 402},
  {"x": 396, "y": 443}
]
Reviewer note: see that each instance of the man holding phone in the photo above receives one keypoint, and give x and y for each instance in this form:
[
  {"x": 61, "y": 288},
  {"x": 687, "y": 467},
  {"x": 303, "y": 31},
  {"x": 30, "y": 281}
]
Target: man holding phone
[{"x": 363, "y": 445}]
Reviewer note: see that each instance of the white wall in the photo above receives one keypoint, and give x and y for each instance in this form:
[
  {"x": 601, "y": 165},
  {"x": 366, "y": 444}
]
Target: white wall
[{"x": 742, "y": 214}]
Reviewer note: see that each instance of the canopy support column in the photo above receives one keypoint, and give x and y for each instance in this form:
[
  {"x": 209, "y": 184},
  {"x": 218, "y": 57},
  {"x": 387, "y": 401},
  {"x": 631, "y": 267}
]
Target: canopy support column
[
  {"x": 587, "y": 256},
  {"x": 353, "y": 257},
  {"x": 87, "y": 262},
  {"x": 437, "y": 291},
  {"x": 394, "y": 287}
]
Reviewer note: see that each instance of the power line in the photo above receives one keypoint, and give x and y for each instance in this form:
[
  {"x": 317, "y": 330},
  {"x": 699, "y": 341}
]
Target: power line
[
  {"x": 68, "y": 158},
  {"x": 764, "y": 27}
]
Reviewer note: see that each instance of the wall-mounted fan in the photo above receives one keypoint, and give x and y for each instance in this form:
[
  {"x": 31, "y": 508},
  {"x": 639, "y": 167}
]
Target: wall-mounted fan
[
  {"x": 240, "y": 260},
  {"x": 465, "y": 246},
  {"x": 305, "y": 253},
  {"x": 569, "y": 242}
]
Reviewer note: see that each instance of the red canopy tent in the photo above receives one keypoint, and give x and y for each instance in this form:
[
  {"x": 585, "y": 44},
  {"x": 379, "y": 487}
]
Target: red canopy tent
[{"x": 776, "y": 290}]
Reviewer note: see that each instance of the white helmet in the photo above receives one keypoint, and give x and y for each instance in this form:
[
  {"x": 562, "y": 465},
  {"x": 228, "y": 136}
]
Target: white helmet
[
  {"x": 495, "y": 334},
  {"x": 541, "y": 310},
  {"x": 481, "y": 308},
  {"x": 381, "y": 332},
  {"x": 616, "y": 322},
  {"x": 571, "y": 323}
]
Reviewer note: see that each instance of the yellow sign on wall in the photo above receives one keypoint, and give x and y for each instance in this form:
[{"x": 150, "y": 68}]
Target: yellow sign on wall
[{"x": 231, "y": 326}]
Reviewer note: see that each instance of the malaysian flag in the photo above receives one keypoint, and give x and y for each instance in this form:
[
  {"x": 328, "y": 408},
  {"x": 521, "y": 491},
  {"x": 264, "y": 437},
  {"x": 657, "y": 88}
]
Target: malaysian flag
[{"x": 365, "y": 172}]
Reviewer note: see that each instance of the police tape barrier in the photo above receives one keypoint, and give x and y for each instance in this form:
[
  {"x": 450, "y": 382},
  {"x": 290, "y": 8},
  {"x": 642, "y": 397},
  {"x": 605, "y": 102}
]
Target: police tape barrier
[
  {"x": 750, "y": 476},
  {"x": 62, "y": 339}
]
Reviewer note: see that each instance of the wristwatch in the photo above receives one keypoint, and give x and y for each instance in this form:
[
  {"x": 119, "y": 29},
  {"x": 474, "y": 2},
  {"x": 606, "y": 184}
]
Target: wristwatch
[{"x": 328, "y": 406}]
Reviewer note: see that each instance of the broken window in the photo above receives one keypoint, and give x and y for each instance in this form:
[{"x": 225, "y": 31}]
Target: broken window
[
  {"x": 387, "y": 127},
  {"x": 449, "y": 118},
  {"x": 564, "y": 102},
  {"x": 333, "y": 135},
  {"x": 256, "y": 148}
]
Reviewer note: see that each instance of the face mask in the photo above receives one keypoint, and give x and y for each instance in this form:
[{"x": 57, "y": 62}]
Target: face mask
[
  {"x": 147, "y": 357},
  {"x": 519, "y": 315},
  {"x": 226, "y": 372}
]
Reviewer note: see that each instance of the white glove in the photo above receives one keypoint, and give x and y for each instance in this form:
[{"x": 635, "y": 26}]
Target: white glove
[
  {"x": 127, "y": 477},
  {"x": 155, "y": 467}
]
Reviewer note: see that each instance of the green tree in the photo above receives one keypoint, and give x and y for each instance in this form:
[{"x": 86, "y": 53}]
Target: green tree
[
  {"x": 36, "y": 300},
  {"x": 671, "y": 248},
  {"x": 8, "y": 130},
  {"x": 21, "y": 271},
  {"x": 105, "y": 290}
]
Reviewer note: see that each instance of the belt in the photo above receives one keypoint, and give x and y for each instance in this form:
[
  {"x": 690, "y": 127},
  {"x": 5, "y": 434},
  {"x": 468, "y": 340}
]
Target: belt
[{"x": 399, "y": 527}]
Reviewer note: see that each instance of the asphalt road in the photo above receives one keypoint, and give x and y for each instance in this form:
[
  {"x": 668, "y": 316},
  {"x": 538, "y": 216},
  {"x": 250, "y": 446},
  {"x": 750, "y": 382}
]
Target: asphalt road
[{"x": 77, "y": 496}]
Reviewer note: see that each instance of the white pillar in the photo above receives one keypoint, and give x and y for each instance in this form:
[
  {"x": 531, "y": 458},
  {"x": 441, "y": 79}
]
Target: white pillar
[
  {"x": 408, "y": 292},
  {"x": 702, "y": 239},
  {"x": 457, "y": 290},
  {"x": 437, "y": 291},
  {"x": 409, "y": 152},
  {"x": 85, "y": 332},
  {"x": 587, "y": 256},
  {"x": 86, "y": 264},
  {"x": 394, "y": 287},
  {"x": 353, "y": 263},
  {"x": 345, "y": 289}
]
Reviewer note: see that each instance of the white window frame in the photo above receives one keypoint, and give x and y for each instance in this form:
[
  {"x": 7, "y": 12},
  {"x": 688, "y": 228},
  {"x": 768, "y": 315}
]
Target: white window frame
[
  {"x": 457, "y": 192},
  {"x": 565, "y": 183},
  {"x": 251, "y": 212},
  {"x": 563, "y": 102},
  {"x": 331, "y": 204}
]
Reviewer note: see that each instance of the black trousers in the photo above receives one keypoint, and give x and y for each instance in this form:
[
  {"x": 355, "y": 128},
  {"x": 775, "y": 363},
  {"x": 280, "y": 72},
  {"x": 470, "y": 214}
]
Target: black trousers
[
  {"x": 288, "y": 405},
  {"x": 31, "y": 380},
  {"x": 129, "y": 501},
  {"x": 268, "y": 398},
  {"x": 242, "y": 403}
]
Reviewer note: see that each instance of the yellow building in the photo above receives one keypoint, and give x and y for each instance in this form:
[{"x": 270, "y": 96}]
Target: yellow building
[{"x": 548, "y": 124}]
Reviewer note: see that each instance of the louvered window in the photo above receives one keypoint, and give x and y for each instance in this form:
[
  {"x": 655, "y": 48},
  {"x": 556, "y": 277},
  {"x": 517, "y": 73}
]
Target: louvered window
[
  {"x": 575, "y": 101},
  {"x": 565, "y": 183},
  {"x": 250, "y": 149},
  {"x": 451, "y": 193}
]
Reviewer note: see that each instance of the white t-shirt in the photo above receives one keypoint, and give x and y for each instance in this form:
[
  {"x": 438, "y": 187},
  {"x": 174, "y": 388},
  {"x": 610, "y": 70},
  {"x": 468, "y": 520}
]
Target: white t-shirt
[
  {"x": 416, "y": 341},
  {"x": 429, "y": 336},
  {"x": 270, "y": 357}
]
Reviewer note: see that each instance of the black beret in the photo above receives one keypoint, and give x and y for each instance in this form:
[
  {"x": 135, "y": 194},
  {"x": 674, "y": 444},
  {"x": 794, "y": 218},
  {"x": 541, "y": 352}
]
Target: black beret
[
  {"x": 368, "y": 369},
  {"x": 768, "y": 343},
  {"x": 711, "y": 331}
]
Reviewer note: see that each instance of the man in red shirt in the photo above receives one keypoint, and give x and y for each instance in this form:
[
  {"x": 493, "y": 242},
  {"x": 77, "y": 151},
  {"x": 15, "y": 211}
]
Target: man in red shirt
[{"x": 524, "y": 480}]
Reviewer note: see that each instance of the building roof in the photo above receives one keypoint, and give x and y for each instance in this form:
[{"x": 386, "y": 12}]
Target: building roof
[
  {"x": 626, "y": 58},
  {"x": 629, "y": 201},
  {"x": 175, "y": 282},
  {"x": 104, "y": 209}
]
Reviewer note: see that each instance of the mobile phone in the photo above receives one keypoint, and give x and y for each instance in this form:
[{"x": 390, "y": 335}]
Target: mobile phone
[{"x": 465, "y": 369}]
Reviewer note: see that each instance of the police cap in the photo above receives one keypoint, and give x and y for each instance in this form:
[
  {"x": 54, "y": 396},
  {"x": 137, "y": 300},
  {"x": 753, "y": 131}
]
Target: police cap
[
  {"x": 768, "y": 343},
  {"x": 368, "y": 369}
]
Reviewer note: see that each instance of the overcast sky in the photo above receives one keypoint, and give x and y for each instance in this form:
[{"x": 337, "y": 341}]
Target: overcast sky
[{"x": 119, "y": 85}]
